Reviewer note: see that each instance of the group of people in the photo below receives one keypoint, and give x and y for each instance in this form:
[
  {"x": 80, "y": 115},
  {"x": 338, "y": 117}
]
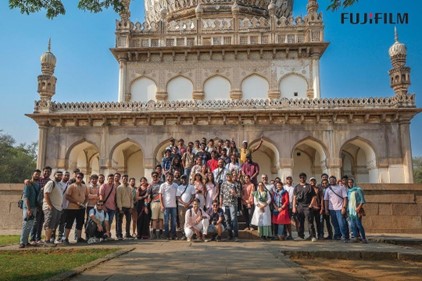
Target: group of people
[{"x": 198, "y": 189}]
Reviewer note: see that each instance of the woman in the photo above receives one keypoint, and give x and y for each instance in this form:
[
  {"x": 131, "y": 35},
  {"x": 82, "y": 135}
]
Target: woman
[
  {"x": 212, "y": 190},
  {"x": 199, "y": 190},
  {"x": 197, "y": 168},
  {"x": 247, "y": 201},
  {"x": 262, "y": 214},
  {"x": 281, "y": 218},
  {"x": 356, "y": 200},
  {"x": 143, "y": 198}
]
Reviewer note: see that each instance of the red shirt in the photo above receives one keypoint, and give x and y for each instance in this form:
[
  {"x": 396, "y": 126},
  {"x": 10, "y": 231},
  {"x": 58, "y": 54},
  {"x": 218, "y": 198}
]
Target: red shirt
[{"x": 212, "y": 164}]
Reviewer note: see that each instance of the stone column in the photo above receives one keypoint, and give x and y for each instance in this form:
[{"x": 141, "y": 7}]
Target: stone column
[
  {"x": 406, "y": 149},
  {"x": 42, "y": 146},
  {"x": 122, "y": 79},
  {"x": 315, "y": 76},
  {"x": 286, "y": 168},
  {"x": 334, "y": 167}
]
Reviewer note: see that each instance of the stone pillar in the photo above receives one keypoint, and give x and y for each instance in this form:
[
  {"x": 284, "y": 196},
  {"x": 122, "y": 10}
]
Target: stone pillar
[
  {"x": 406, "y": 149},
  {"x": 122, "y": 79},
  {"x": 148, "y": 167},
  {"x": 104, "y": 161},
  {"x": 286, "y": 168},
  {"x": 315, "y": 76},
  {"x": 334, "y": 167},
  {"x": 42, "y": 146}
]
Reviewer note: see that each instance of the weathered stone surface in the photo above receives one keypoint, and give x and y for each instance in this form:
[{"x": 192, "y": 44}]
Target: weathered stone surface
[{"x": 390, "y": 198}]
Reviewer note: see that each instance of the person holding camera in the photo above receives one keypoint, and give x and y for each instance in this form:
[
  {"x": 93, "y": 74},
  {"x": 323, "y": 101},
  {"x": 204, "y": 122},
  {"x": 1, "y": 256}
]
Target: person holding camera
[
  {"x": 29, "y": 208},
  {"x": 217, "y": 224}
]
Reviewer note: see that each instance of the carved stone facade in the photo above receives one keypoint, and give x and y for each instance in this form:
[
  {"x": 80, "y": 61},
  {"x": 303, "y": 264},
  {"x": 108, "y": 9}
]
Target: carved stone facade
[{"x": 247, "y": 72}]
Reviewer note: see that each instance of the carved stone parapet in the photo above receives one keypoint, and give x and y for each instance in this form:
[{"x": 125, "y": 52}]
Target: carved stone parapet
[{"x": 236, "y": 94}]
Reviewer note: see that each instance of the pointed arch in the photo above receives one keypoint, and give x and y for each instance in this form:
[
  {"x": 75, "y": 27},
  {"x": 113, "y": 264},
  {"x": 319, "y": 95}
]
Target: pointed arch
[
  {"x": 127, "y": 157},
  {"x": 143, "y": 89},
  {"x": 217, "y": 87},
  {"x": 159, "y": 150},
  {"x": 83, "y": 154},
  {"x": 267, "y": 157},
  {"x": 310, "y": 156},
  {"x": 255, "y": 86},
  {"x": 293, "y": 86},
  {"x": 179, "y": 88},
  {"x": 362, "y": 158}
]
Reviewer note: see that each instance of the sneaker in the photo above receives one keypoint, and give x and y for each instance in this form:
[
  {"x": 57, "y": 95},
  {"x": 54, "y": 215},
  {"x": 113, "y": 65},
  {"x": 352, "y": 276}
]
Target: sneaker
[
  {"x": 313, "y": 239},
  {"x": 66, "y": 242},
  {"x": 128, "y": 237},
  {"x": 58, "y": 242},
  {"x": 236, "y": 239},
  {"x": 49, "y": 244},
  {"x": 183, "y": 237},
  {"x": 81, "y": 240},
  {"x": 32, "y": 243},
  {"x": 21, "y": 246},
  {"x": 91, "y": 240},
  {"x": 364, "y": 241},
  {"x": 355, "y": 240}
]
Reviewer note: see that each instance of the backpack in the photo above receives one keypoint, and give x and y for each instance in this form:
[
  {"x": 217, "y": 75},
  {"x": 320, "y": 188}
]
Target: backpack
[{"x": 40, "y": 196}]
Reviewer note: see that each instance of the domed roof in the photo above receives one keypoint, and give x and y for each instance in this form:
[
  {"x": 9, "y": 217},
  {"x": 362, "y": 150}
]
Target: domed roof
[
  {"x": 48, "y": 57},
  {"x": 397, "y": 48}
]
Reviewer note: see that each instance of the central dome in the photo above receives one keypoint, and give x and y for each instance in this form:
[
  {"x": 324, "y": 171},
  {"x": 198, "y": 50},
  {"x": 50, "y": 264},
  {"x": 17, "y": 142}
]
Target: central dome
[{"x": 183, "y": 9}]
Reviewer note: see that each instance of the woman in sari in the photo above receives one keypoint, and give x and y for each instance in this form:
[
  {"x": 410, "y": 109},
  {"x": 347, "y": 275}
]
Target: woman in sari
[{"x": 143, "y": 198}]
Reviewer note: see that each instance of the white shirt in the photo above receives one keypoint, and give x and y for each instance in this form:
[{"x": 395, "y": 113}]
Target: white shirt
[
  {"x": 168, "y": 191},
  {"x": 99, "y": 215},
  {"x": 187, "y": 195},
  {"x": 56, "y": 195},
  {"x": 335, "y": 203},
  {"x": 220, "y": 174}
]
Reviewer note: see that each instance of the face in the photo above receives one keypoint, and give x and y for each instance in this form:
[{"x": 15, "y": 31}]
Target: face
[
  {"x": 46, "y": 173},
  {"x": 158, "y": 169},
  {"x": 125, "y": 180},
  {"x": 169, "y": 178},
  {"x": 324, "y": 177},
  {"x": 195, "y": 205},
  {"x": 344, "y": 181},
  {"x": 66, "y": 177},
  {"x": 324, "y": 183},
  {"x": 215, "y": 206},
  {"x": 221, "y": 163},
  {"x": 176, "y": 174},
  {"x": 261, "y": 186},
  {"x": 333, "y": 181},
  {"x": 229, "y": 177},
  {"x": 94, "y": 181},
  {"x": 350, "y": 183},
  {"x": 264, "y": 178},
  {"x": 110, "y": 179},
  {"x": 79, "y": 178},
  {"x": 36, "y": 176},
  {"x": 279, "y": 186},
  {"x": 132, "y": 182},
  {"x": 289, "y": 181},
  {"x": 245, "y": 145},
  {"x": 247, "y": 179},
  {"x": 101, "y": 179},
  {"x": 117, "y": 178},
  {"x": 233, "y": 158},
  {"x": 302, "y": 179},
  {"x": 100, "y": 206},
  {"x": 154, "y": 177},
  {"x": 313, "y": 182}
]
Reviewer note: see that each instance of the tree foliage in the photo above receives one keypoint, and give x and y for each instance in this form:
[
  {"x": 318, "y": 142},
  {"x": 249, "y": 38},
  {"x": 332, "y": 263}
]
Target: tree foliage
[
  {"x": 417, "y": 169},
  {"x": 16, "y": 161},
  {"x": 54, "y": 8}
]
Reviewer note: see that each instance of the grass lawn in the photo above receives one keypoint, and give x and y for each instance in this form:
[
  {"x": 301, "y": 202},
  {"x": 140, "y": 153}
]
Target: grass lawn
[
  {"x": 9, "y": 239},
  {"x": 42, "y": 264}
]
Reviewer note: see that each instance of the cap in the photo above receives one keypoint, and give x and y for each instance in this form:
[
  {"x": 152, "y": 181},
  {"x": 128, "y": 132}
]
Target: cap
[
  {"x": 312, "y": 178},
  {"x": 245, "y": 141}
]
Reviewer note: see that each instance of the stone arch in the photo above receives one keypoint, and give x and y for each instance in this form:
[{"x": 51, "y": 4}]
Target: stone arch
[
  {"x": 127, "y": 157},
  {"x": 179, "y": 88},
  {"x": 255, "y": 86},
  {"x": 293, "y": 86},
  {"x": 217, "y": 87},
  {"x": 143, "y": 89},
  {"x": 363, "y": 159},
  {"x": 310, "y": 156},
  {"x": 159, "y": 151},
  {"x": 83, "y": 154},
  {"x": 267, "y": 157}
]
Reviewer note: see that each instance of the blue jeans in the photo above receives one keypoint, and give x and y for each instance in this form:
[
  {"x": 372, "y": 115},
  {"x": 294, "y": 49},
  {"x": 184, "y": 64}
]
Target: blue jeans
[
  {"x": 27, "y": 225},
  {"x": 170, "y": 212},
  {"x": 230, "y": 215},
  {"x": 340, "y": 225},
  {"x": 280, "y": 229},
  {"x": 357, "y": 227}
]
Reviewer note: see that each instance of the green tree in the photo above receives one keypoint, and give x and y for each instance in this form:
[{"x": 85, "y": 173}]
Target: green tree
[
  {"x": 417, "y": 169},
  {"x": 16, "y": 161},
  {"x": 54, "y": 8}
]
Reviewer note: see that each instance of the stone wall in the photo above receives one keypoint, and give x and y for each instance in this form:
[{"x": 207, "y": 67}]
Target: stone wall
[{"x": 390, "y": 208}]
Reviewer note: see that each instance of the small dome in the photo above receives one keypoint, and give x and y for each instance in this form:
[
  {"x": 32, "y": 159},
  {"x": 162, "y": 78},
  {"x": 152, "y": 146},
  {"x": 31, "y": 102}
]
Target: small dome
[
  {"x": 163, "y": 12},
  {"x": 397, "y": 48},
  {"x": 48, "y": 57}
]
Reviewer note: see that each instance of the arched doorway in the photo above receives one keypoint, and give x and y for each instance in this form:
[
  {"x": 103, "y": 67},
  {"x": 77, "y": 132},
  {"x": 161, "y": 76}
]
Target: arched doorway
[
  {"x": 85, "y": 156},
  {"x": 267, "y": 157},
  {"x": 127, "y": 158},
  {"x": 309, "y": 156}
]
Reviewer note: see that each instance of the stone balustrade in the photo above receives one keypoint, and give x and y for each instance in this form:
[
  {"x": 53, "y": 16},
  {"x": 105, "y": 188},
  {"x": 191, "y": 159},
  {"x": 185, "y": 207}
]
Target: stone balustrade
[{"x": 404, "y": 101}]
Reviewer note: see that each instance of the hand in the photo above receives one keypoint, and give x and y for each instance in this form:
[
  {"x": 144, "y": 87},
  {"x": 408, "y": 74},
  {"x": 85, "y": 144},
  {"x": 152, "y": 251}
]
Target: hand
[
  {"x": 100, "y": 228},
  {"x": 294, "y": 210},
  {"x": 28, "y": 213},
  {"x": 26, "y": 182},
  {"x": 343, "y": 211},
  {"x": 162, "y": 208}
]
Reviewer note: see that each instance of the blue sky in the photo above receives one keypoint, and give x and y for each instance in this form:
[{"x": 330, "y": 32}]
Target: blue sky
[{"x": 355, "y": 64}]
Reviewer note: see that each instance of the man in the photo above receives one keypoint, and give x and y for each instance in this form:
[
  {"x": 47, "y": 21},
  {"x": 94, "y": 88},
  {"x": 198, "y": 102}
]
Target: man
[
  {"x": 97, "y": 224},
  {"x": 168, "y": 191},
  {"x": 335, "y": 198},
  {"x": 220, "y": 173},
  {"x": 203, "y": 154},
  {"x": 52, "y": 206},
  {"x": 172, "y": 144},
  {"x": 166, "y": 161},
  {"x": 39, "y": 218},
  {"x": 133, "y": 210},
  {"x": 108, "y": 196},
  {"x": 245, "y": 150},
  {"x": 181, "y": 147},
  {"x": 124, "y": 202},
  {"x": 29, "y": 210},
  {"x": 101, "y": 179},
  {"x": 228, "y": 202},
  {"x": 77, "y": 195},
  {"x": 65, "y": 184},
  {"x": 290, "y": 189},
  {"x": 233, "y": 165},
  {"x": 325, "y": 217},
  {"x": 157, "y": 215},
  {"x": 196, "y": 222},
  {"x": 185, "y": 197},
  {"x": 188, "y": 161},
  {"x": 302, "y": 196},
  {"x": 177, "y": 180},
  {"x": 251, "y": 169},
  {"x": 216, "y": 222},
  {"x": 316, "y": 207}
]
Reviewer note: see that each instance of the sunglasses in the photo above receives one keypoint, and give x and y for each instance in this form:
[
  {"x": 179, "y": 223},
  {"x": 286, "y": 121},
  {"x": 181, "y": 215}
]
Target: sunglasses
[
  {"x": 79, "y": 177},
  {"x": 100, "y": 204},
  {"x": 214, "y": 205}
]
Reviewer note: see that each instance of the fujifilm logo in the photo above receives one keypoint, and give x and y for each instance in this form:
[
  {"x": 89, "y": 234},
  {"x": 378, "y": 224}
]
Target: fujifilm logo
[{"x": 375, "y": 18}]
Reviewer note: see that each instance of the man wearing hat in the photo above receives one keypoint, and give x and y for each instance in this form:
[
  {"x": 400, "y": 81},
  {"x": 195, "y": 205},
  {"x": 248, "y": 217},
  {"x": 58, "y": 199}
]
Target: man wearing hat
[{"x": 245, "y": 150}]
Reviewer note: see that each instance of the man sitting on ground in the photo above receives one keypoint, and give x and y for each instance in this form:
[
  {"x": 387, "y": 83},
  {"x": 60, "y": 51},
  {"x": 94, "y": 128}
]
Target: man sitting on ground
[
  {"x": 216, "y": 227},
  {"x": 97, "y": 226},
  {"x": 196, "y": 222}
]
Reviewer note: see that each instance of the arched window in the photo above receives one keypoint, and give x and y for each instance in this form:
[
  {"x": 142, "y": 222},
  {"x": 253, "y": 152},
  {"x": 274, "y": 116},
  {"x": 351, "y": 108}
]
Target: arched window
[
  {"x": 143, "y": 90},
  {"x": 217, "y": 88},
  {"x": 255, "y": 87},
  {"x": 179, "y": 88},
  {"x": 293, "y": 86}
]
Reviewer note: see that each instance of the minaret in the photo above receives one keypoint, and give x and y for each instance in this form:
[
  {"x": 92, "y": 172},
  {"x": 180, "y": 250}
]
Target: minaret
[
  {"x": 47, "y": 80},
  {"x": 400, "y": 73}
]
